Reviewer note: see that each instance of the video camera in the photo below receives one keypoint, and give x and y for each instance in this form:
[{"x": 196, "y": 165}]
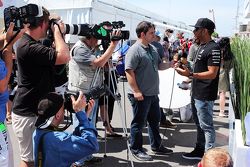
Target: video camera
[
  {"x": 92, "y": 93},
  {"x": 101, "y": 31},
  {"x": 30, "y": 13}
]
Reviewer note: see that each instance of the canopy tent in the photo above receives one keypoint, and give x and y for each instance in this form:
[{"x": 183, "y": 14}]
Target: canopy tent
[{"x": 97, "y": 11}]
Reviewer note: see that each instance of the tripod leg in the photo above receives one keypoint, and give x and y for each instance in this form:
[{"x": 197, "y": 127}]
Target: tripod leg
[
  {"x": 122, "y": 116},
  {"x": 112, "y": 83}
]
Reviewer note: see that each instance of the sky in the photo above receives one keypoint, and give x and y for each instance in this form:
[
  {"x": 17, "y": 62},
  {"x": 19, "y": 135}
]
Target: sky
[{"x": 188, "y": 11}]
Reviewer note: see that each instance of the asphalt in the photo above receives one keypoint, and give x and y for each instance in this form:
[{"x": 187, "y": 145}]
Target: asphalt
[{"x": 181, "y": 139}]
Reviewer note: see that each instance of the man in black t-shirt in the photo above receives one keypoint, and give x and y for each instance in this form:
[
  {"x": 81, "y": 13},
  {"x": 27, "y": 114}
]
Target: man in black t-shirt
[
  {"x": 35, "y": 78},
  {"x": 204, "y": 86}
]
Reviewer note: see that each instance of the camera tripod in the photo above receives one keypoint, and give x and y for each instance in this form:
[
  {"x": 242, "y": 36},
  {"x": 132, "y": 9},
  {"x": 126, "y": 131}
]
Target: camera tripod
[{"x": 113, "y": 92}]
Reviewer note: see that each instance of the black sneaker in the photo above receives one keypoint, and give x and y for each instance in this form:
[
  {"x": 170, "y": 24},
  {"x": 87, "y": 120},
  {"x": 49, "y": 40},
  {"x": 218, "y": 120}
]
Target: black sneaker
[
  {"x": 162, "y": 150},
  {"x": 75, "y": 165},
  {"x": 141, "y": 156},
  {"x": 94, "y": 161},
  {"x": 167, "y": 124},
  {"x": 195, "y": 154}
]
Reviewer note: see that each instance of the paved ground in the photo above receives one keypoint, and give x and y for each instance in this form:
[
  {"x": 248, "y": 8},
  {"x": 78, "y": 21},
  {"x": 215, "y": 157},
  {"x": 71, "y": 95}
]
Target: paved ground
[{"x": 181, "y": 140}]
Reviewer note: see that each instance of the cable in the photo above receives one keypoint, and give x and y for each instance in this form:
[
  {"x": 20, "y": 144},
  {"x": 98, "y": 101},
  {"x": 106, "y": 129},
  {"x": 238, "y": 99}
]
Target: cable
[{"x": 170, "y": 101}]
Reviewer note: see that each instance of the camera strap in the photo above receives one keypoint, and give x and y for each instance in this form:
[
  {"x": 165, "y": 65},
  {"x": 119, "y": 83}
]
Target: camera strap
[
  {"x": 40, "y": 149},
  {"x": 41, "y": 141},
  {"x": 12, "y": 38}
]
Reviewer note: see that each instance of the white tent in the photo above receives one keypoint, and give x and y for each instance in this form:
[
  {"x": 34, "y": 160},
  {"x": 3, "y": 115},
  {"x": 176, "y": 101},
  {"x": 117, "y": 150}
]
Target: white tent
[{"x": 97, "y": 11}]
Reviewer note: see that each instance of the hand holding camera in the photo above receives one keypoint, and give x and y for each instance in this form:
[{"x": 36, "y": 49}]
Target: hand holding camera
[
  {"x": 57, "y": 25},
  {"x": 80, "y": 103},
  {"x": 10, "y": 37},
  {"x": 93, "y": 93},
  {"x": 115, "y": 36}
]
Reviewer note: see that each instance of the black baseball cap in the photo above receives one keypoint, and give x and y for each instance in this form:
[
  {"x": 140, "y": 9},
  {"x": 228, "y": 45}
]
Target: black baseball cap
[
  {"x": 204, "y": 23},
  {"x": 169, "y": 30},
  {"x": 48, "y": 106}
]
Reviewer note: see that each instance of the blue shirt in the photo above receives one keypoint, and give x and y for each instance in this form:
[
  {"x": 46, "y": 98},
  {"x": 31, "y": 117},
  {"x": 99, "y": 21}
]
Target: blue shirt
[
  {"x": 3, "y": 96},
  {"x": 62, "y": 148}
]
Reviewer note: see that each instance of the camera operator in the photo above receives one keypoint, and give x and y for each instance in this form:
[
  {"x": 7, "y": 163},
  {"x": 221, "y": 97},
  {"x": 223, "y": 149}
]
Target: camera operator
[
  {"x": 48, "y": 139},
  {"x": 84, "y": 64},
  {"x": 6, "y": 64},
  {"x": 35, "y": 78}
]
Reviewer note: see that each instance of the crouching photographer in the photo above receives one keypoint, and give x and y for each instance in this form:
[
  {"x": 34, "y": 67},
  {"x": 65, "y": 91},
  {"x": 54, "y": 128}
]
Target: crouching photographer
[{"x": 54, "y": 147}]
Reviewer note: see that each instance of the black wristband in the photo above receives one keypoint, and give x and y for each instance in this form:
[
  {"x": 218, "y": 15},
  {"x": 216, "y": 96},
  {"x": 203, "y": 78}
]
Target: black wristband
[{"x": 190, "y": 74}]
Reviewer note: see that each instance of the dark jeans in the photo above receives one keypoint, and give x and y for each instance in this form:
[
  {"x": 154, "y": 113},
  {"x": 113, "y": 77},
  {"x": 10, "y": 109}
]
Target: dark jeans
[
  {"x": 163, "y": 117},
  {"x": 145, "y": 111}
]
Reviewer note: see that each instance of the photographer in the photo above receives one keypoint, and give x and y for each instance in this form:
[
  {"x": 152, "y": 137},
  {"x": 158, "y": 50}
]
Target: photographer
[
  {"x": 6, "y": 45},
  {"x": 36, "y": 64},
  {"x": 48, "y": 139}
]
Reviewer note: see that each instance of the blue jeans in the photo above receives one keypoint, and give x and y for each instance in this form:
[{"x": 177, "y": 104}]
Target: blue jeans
[
  {"x": 203, "y": 118},
  {"x": 92, "y": 116},
  {"x": 145, "y": 111}
]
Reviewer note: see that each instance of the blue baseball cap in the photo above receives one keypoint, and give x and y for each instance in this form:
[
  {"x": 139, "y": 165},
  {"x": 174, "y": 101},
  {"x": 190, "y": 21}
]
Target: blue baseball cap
[{"x": 158, "y": 33}]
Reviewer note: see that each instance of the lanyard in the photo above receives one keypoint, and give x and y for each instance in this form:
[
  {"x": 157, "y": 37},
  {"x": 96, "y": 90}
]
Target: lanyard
[{"x": 150, "y": 55}]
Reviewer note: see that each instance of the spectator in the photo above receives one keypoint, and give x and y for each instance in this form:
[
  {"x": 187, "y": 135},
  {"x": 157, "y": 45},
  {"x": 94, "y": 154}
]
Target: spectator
[
  {"x": 106, "y": 111},
  {"x": 143, "y": 60},
  {"x": 36, "y": 64},
  {"x": 6, "y": 64},
  {"x": 165, "y": 44},
  {"x": 48, "y": 139},
  {"x": 226, "y": 66},
  {"x": 204, "y": 86},
  {"x": 193, "y": 50},
  {"x": 156, "y": 43},
  {"x": 168, "y": 36}
]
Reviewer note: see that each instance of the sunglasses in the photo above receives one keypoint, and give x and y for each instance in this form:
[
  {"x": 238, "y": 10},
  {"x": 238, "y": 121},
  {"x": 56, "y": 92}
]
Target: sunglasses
[{"x": 196, "y": 29}]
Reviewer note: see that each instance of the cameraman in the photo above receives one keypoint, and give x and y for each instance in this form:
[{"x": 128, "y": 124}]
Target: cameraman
[
  {"x": 6, "y": 45},
  {"x": 84, "y": 63},
  {"x": 36, "y": 64},
  {"x": 48, "y": 139},
  {"x": 83, "y": 68}
]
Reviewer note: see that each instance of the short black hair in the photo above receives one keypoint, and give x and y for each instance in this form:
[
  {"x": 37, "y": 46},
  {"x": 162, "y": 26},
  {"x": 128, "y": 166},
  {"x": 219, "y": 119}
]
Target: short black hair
[
  {"x": 143, "y": 26},
  {"x": 165, "y": 39},
  {"x": 40, "y": 20}
]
